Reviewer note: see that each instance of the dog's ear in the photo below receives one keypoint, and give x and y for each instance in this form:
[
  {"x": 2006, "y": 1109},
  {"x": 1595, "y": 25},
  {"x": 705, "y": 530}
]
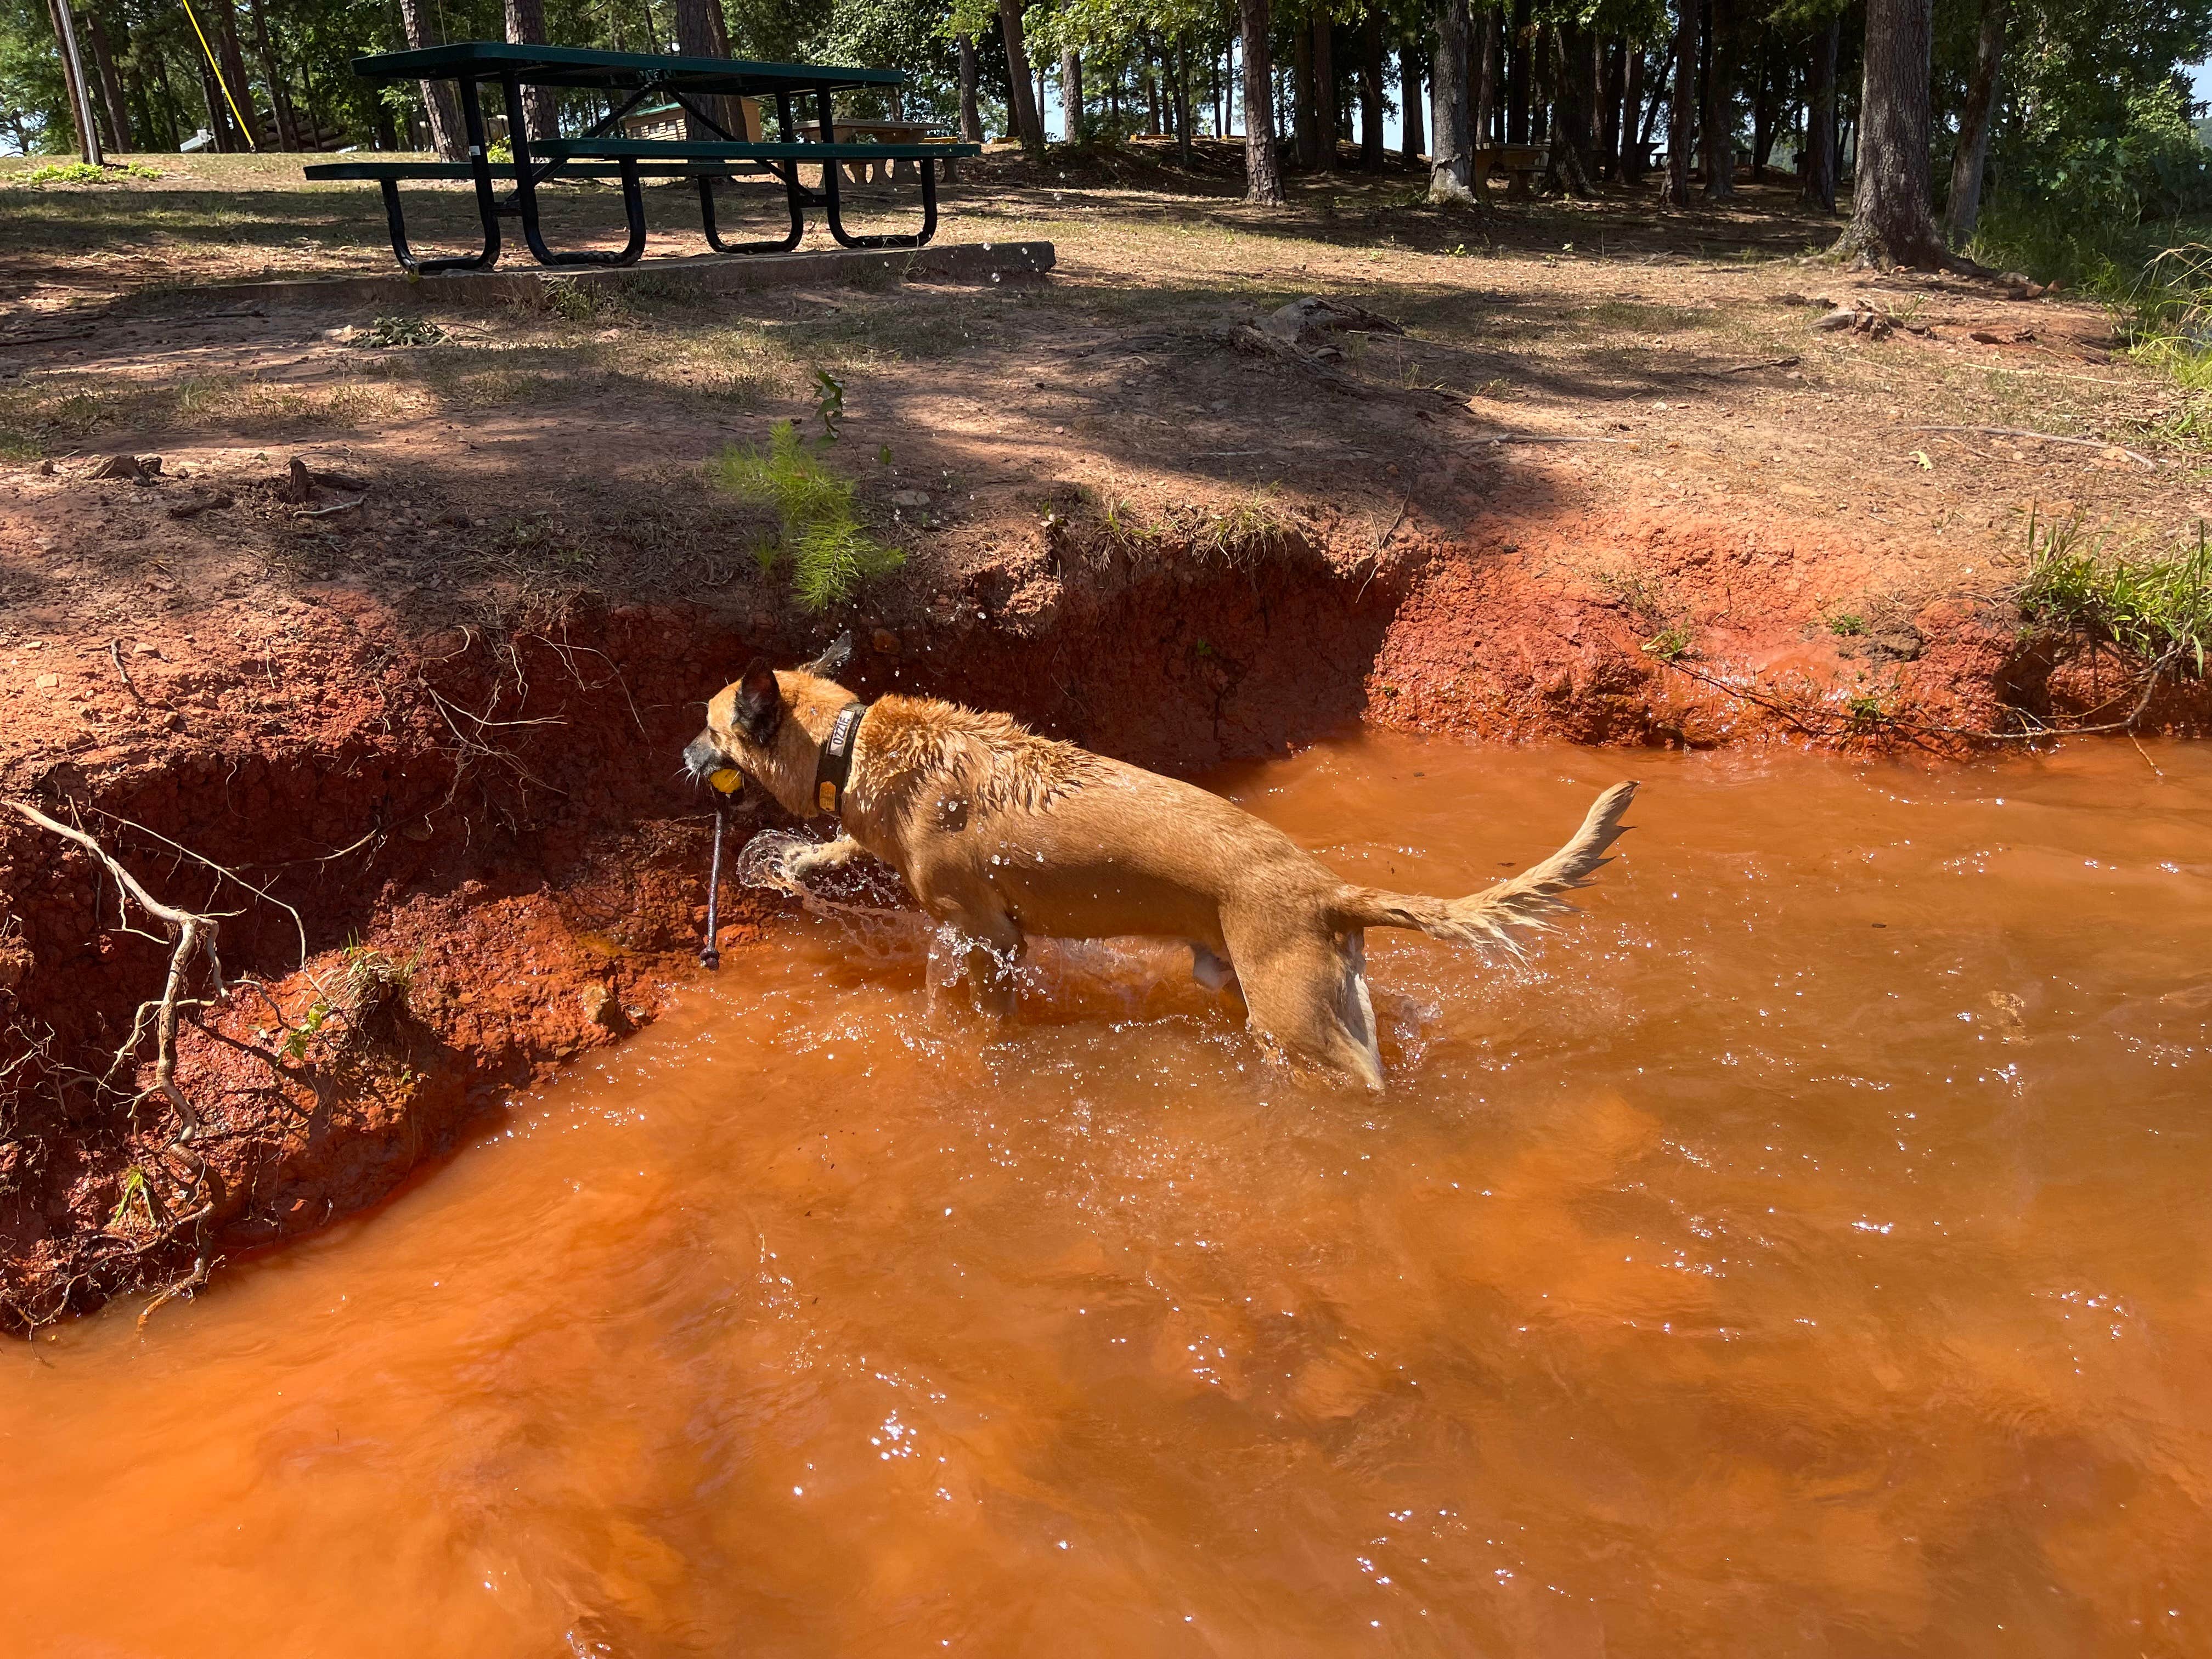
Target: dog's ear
[
  {"x": 759, "y": 703},
  {"x": 835, "y": 660}
]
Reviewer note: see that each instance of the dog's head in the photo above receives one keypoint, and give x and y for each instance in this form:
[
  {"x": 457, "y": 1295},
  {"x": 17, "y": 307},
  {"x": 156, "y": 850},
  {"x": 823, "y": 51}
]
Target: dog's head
[{"x": 770, "y": 726}]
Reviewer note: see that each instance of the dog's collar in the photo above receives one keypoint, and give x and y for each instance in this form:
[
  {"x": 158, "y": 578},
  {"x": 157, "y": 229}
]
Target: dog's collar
[{"x": 835, "y": 761}]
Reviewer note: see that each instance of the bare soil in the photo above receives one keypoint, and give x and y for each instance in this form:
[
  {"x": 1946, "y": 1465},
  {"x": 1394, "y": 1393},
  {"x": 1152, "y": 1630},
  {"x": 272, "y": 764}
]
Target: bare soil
[{"x": 1609, "y": 486}]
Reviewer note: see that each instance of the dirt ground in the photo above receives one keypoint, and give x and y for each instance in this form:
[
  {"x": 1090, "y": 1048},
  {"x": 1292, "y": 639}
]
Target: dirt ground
[{"x": 418, "y": 729}]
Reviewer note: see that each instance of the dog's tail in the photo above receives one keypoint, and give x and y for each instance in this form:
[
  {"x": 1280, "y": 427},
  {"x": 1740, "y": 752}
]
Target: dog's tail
[{"x": 1529, "y": 901}]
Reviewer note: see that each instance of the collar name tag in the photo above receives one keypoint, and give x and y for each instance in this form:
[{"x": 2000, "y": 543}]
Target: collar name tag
[{"x": 835, "y": 763}]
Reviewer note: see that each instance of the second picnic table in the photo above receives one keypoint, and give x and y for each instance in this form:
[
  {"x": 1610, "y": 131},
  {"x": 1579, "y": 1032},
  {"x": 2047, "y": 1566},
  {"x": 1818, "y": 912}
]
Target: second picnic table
[{"x": 688, "y": 83}]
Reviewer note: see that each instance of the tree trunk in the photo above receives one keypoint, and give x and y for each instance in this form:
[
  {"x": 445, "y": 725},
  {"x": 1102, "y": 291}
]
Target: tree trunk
[
  {"x": 1263, "y": 166},
  {"x": 1180, "y": 92},
  {"x": 1568, "y": 166},
  {"x": 111, "y": 84},
  {"x": 234, "y": 71},
  {"x": 1027, "y": 126},
  {"x": 80, "y": 100},
  {"x": 1482, "y": 97},
  {"x": 1765, "y": 115},
  {"x": 440, "y": 102},
  {"x": 1451, "y": 150},
  {"x": 1892, "y": 214},
  {"x": 280, "y": 99},
  {"x": 1817, "y": 171},
  {"x": 1304, "y": 126},
  {"x": 1971, "y": 158},
  {"x": 1719, "y": 123},
  {"x": 525, "y": 25},
  {"x": 701, "y": 31},
  {"x": 1411, "y": 131},
  {"x": 220, "y": 130},
  {"x": 1516, "y": 76},
  {"x": 1628, "y": 164},
  {"x": 971, "y": 114},
  {"x": 1370, "y": 91},
  {"x": 1681, "y": 103},
  {"x": 1071, "y": 95},
  {"x": 1324, "y": 73}
]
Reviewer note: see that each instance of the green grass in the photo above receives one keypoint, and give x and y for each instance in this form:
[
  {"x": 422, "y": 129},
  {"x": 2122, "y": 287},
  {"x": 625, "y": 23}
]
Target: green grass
[
  {"x": 79, "y": 173},
  {"x": 829, "y": 552},
  {"x": 2156, "y": 604}
]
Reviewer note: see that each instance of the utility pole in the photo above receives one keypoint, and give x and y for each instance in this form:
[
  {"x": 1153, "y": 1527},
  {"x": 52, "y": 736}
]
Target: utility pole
[{"x": 80, "y": 94}]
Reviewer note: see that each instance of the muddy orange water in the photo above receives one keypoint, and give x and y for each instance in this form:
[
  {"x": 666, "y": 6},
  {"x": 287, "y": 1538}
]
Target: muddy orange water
[{"x": 1807, "y": 1253}]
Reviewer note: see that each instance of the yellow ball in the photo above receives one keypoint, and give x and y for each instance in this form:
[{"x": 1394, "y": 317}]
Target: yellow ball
[{"x": 729, "y": 779}]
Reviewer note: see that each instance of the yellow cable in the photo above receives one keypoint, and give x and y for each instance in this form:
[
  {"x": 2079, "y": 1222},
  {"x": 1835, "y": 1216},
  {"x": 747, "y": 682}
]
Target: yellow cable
[{"x": 244, "y": 125}]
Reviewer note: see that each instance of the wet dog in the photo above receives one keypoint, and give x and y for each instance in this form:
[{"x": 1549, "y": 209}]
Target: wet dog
[{"x": 1002, "y": 834}]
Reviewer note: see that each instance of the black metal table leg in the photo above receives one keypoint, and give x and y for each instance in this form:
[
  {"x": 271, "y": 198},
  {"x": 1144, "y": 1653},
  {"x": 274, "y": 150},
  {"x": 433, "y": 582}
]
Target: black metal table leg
[
  {"x": 526, "y": 195},
  {"x": 793, "y": 194},
  {"x": 831, "y": 207},
  {"x": 395, "y": 218}
]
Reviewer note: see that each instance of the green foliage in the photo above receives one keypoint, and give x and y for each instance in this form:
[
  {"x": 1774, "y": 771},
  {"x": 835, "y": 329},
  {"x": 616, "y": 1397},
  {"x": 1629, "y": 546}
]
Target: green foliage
[
  {"x": 830, "y": 554},
  {"x": 1669, "y": 644},
  {"x": 80, "y": 172},
  {"x": 829, "y": 404},
  {"x": 402, "y": 331},
  {"x": 2155, "y": 604}
]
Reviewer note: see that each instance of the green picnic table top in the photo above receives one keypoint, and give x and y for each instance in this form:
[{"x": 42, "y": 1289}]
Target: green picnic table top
[{"x": 581, "y": 66}]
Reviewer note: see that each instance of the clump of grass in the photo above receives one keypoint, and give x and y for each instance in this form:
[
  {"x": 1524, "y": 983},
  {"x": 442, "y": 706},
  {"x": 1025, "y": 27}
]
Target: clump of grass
[
  {"x": 2155, "y": 604},
  {"x": 575, "y": 301},
  {"x": 402, "y": 331},
  {"x": 1670, "y": 644},
  {"x": 1846, "y": 622},
  {"x": 81, "y": 173},
  {"x": 820, "y": 534}
]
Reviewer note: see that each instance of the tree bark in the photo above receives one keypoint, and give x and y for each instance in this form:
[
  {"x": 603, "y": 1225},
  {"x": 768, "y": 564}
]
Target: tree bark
[
  {"x": 111, "y": 84},
  {"x": 1764, "y": 116},
  {"x": 1482, "y": 98},
  {"x": 972, "y": 113},
  {"x": 1411, "y": 132},
  {"x": 1817, "y": 172},
  {"x": 280, "y": 99},
  {"x": 1370, "y": 91},
  {"x": 1326, "y": 114},
  {"x": 1969, "y": 160},
  {"x": 1263, "y": 166},
  {"x": 80, "y": 100},
  {"x": 1568, "y": 166},
  {"x": 1071, "y": 95},
  {"x": 1451, "y": 160},
  {"x": 440, "y": 102},
  {"x": 1628, "y": 164},
  {"x": 1180, "y": 92},
  {"x": 1027, "y": 126},
  {"x": 1517, "y": 74},
  {"x": 1892, "y": 212},
  {"x": 1304, "y": 123},
  {"x": 525, "y": 25},
  {"x": 234, "y": 71},
  {"x": 1681, "y": 103},
  {"x": 1717, "y": 129},
  {"x": 701, "y": 31}
]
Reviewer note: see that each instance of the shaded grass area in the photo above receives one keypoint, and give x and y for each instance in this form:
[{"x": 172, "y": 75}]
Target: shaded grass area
[{"x": 2156, "y": 604}]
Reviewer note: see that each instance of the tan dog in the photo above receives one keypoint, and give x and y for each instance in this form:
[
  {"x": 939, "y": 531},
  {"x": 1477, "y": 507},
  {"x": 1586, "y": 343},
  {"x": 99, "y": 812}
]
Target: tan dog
[{"x": 1002, "y": 834}]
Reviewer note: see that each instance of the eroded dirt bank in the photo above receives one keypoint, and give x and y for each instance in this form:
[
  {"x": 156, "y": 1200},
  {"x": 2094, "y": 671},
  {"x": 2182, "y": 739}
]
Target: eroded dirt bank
[{"x": 450, "y": 858}]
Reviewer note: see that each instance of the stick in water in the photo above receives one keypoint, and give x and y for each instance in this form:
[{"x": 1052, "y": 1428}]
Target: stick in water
[{"x": 710, "y": 957}]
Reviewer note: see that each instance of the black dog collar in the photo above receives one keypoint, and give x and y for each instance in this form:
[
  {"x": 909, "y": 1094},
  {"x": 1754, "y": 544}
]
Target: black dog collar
[{"x": 832, "y": 765}]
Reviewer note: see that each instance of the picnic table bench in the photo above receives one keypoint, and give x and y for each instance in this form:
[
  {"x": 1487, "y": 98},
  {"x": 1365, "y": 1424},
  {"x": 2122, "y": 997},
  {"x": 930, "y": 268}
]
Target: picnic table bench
[{"x": 595, "y": 154}]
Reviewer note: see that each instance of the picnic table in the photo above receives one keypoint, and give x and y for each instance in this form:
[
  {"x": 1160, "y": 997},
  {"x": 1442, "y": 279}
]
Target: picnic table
[
  {"x": 885, "y": 168},
  {"x": 635, "y": 77},
  {"x": 1521, "y": 164}
]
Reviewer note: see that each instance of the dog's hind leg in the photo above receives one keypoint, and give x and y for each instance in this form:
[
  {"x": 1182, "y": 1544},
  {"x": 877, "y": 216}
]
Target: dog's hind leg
[
  {"x": 1307, "y": 994},
  {"x": 984, "y": 949}
]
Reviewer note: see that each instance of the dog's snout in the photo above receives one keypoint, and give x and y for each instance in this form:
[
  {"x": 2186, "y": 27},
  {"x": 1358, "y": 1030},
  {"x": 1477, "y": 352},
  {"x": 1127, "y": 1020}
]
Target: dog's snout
[{"x": 702, "y": 754}]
